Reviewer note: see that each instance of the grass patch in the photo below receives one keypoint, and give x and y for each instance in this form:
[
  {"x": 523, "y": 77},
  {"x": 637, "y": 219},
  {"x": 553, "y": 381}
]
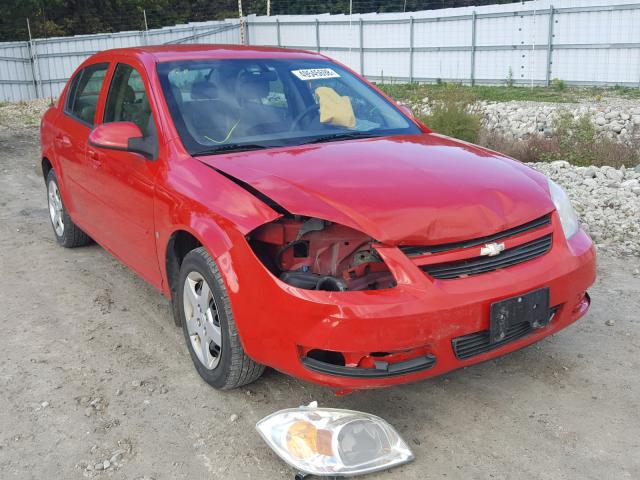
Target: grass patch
[
  {"x": 559, "y": 92},
  {"x": 452, "y": 113}
]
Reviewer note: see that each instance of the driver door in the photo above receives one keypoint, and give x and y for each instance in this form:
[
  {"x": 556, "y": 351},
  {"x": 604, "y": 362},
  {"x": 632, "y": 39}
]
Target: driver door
[{"x": 123, "y": 182}]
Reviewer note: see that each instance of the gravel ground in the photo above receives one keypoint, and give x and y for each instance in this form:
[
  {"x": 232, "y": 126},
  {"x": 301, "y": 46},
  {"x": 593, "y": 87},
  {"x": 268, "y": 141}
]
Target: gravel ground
[
  {"x": 96, "y": 382},
  {"x": 607, "y": 201}
]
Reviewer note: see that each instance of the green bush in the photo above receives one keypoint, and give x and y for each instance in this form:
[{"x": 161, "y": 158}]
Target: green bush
[
  {"x": 558, "y": 84},
  {"x": 575, "y": 138},
  {"x": 452, "y": 113},
  {"x": 509, "y": 81}
]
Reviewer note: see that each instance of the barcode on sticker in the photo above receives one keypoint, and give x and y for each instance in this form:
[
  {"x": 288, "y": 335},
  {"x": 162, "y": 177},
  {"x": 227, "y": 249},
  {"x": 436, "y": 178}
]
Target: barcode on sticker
[{"x": 315, "y": 73}]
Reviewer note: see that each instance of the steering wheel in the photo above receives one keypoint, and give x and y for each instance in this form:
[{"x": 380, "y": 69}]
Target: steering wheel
[{"x": 303, "y": 114}]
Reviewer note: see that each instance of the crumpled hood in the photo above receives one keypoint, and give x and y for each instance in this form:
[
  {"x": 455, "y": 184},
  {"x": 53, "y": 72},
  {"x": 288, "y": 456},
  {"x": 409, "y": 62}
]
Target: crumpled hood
[{"x": 405, "y": 190}]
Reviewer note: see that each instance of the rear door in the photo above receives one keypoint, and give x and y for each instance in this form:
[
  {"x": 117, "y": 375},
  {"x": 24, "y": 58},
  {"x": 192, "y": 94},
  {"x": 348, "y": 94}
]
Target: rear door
[
  {"x": 123, "y": 182},
  {"x": 70, "y": 141}
]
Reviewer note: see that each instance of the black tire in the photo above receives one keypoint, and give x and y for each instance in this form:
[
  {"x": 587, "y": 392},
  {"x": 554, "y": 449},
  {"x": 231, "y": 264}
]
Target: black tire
[
  {"x": 234, "y": 368},
  {"x": 71, "y": 235}
]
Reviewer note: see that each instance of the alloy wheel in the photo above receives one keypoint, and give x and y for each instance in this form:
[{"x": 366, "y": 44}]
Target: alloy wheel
[
  {"x": 55, "y": 208},
  {"x": 201, "y": 317}
]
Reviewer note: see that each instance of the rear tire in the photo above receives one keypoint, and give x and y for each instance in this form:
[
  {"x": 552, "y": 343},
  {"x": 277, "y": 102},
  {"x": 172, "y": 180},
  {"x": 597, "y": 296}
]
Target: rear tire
[
  {"x": 67, "y": 233},
  {"x": 204, "y": 311}
]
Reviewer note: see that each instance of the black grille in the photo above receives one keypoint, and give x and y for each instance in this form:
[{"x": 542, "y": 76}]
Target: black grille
[
  {"x": 477, "y": 343},
  {"x": 476, "y": 265},
  {"x": 537, "y": 223}
]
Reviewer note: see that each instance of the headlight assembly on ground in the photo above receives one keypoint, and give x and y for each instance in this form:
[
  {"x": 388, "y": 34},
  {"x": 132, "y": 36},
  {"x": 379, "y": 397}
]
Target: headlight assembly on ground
[{"x": 333, "y": 442}]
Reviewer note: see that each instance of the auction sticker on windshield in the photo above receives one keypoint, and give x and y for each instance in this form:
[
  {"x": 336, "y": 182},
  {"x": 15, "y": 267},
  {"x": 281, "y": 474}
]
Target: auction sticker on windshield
[{"x": 315, "y": 73}]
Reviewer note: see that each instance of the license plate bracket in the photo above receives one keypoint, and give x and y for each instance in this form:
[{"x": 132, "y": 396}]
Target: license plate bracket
[{"x": 532, "y": 307}]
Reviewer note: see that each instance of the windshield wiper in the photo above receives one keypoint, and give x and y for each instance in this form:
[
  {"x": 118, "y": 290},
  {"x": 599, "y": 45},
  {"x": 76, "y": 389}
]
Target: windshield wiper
[
  {"x": 341, "y": 136},
  {"x": 231, "y": 147}
]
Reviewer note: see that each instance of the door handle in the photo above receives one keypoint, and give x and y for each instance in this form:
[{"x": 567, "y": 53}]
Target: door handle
[
  {"x": 63, "y": 141},
  {"x": 94, "y": 158}
]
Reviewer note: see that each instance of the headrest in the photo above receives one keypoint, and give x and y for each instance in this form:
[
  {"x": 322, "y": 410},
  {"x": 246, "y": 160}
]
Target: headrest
[
  {"x": 254, "y": 85},
  {"x": 129, "y": 94},
  {"x": 204, "y": 90},
  {"x": 177, "y": 93}
]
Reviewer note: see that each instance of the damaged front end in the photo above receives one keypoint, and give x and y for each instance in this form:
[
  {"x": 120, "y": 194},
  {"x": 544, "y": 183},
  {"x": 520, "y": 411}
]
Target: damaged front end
[{"x": 315, "y": 254}]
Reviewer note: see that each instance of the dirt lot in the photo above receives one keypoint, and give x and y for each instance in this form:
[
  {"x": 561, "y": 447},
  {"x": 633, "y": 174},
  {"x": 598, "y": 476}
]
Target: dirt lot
[{"x": 92, "y": 369}]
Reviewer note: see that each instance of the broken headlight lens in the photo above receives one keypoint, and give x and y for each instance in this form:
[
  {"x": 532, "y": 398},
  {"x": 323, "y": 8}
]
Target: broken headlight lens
[
  {"x": 568, "y": 218},
  {"x": 327, "y": 441}
]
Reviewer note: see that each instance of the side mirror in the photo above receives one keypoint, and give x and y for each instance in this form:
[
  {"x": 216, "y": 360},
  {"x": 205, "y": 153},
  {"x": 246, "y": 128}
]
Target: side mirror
[
  {"x": 123, "y": 136},
  {"x": 406, "y": 110}
]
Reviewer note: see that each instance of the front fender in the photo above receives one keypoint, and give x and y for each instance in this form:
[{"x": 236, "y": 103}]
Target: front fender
[{"x": 194, "y": 198}]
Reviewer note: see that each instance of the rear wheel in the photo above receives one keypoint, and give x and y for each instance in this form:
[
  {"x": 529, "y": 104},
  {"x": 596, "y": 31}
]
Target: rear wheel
[
  {"x": 67, "y": 233},
  {"x": 208, "y": 325}
]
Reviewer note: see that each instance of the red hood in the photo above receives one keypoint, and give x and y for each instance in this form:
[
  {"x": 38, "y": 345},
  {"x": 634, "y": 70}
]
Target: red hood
[{"x": 410, "y": 190}]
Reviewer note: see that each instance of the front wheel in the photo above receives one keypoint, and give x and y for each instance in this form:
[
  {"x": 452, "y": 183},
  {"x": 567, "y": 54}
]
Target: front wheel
[{"x": 207, "y": 322}]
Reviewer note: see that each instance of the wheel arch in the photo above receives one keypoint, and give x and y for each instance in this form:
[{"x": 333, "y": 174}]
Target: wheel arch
[
  {"x": 183, "y": 240},
  {"x": 47, "y": 166}
]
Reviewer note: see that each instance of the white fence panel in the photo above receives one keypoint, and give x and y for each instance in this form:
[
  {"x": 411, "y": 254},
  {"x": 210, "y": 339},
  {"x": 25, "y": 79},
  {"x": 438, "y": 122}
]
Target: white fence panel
[
  {"x": 442, "y": 65},
  {"x": 263, "y": 33},
  {"x": 55, "y": 59},
  {"x": 447, "y": 33},
  {"x": 16, "y": 81}
]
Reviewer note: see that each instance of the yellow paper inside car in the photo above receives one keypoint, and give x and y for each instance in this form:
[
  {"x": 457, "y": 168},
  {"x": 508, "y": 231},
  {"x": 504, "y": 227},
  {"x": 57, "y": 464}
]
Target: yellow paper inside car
[{"x": 335, "y": 109}]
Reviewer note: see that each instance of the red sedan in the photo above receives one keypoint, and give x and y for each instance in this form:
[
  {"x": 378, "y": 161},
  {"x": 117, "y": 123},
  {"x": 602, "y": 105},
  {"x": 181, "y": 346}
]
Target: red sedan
[{"x": 299, "y": 219}]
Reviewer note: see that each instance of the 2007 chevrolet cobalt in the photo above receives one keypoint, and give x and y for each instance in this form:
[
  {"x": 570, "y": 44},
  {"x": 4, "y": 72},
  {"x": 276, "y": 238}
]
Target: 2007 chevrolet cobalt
[{"x": 298, "y": 218}]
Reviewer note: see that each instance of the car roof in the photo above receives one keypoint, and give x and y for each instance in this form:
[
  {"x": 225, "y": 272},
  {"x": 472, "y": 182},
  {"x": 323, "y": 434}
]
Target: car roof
[{"x": 168, "y": 53}]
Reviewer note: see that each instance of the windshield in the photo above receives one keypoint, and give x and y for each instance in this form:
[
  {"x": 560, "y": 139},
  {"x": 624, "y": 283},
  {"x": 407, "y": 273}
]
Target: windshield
[{"x": 226, "y": 105}]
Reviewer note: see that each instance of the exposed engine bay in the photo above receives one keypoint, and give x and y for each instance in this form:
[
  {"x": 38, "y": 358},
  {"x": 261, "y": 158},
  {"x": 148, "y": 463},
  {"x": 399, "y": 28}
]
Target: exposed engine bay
[{"x": 315, "y": 254}]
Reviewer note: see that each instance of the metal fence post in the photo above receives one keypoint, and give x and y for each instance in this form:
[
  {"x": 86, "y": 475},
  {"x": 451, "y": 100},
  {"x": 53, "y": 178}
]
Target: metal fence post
[
  {"x": 361, "y": 47},
  {"x": 33, "y": 59},
  {"x": 241, "y": 21},
  {"x": 146, "y": 27},
  {"x": 473, "y": 48},
  {"x": 278, "y": 31},
  {"x": 549, "y": 46},
  {"x": 317, "y": 36},
  {"x": 411, "y": 37}
]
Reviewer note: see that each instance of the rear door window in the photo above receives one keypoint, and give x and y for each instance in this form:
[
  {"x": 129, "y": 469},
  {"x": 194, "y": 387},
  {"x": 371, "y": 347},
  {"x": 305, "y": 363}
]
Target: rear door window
[{"x": 82, "y": 100}]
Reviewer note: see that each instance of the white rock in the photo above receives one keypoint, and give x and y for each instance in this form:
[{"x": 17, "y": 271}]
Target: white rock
[
  {"x": 616, "y": 127},
  {"x": 615, "y": 175},
  {"x": 561, "y": 164}
]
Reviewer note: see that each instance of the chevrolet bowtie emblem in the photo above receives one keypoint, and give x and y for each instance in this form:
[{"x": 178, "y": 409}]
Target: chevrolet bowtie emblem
[{"x": 492, "y": 249}]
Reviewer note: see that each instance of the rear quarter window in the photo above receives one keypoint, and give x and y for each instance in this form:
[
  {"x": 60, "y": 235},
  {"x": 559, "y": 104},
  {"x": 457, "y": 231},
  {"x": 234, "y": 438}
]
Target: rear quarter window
[{"x": 82, "y": 100}]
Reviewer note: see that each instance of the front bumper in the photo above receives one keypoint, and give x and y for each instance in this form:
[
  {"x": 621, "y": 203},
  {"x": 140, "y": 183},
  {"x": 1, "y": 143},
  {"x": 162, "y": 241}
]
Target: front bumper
[{"x": 414, "y": 324}]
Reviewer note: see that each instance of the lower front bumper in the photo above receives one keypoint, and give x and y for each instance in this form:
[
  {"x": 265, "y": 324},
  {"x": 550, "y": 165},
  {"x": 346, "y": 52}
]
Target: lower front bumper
[
  {"x": 444, "y": 357},
  {"x": 408, "y": 332}
]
